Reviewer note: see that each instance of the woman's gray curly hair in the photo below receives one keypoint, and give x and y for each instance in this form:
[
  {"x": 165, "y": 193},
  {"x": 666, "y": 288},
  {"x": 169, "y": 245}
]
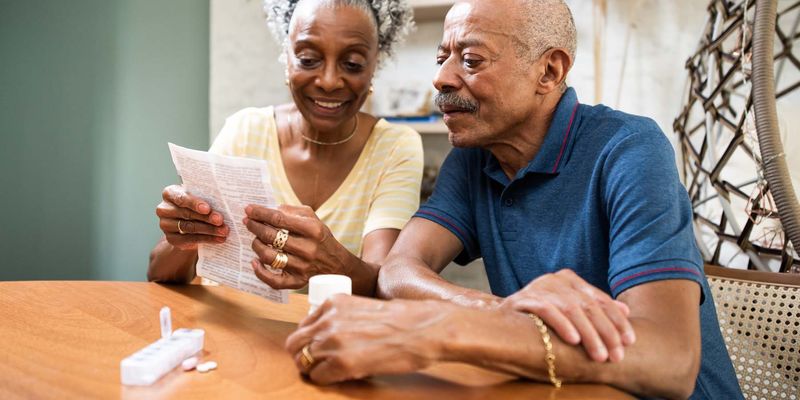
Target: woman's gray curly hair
[{"x": 394, "y": 20}]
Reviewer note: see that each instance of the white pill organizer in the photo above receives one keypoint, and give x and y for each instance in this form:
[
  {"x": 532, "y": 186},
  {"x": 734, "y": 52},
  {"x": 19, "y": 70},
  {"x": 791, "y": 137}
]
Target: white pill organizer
[{"x": 149, "y": 364}]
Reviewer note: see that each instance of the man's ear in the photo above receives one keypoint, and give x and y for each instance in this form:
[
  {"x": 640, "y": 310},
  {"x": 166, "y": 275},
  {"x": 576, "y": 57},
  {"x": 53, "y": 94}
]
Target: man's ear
[{"x": 555, "y": 65}]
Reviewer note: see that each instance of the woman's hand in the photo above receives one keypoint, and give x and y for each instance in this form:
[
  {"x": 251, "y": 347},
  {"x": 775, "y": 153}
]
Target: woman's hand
[
  {"x": 578, "y": 312},
  {"x": 188, "y": 220},
  {"x": 310, "y": 247},
  {"x": 351, "y": 337}
]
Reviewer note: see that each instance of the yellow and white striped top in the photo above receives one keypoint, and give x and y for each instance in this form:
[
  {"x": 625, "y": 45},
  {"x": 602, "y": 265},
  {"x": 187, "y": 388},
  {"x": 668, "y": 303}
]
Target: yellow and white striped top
[{"x": 381, "y": 191}]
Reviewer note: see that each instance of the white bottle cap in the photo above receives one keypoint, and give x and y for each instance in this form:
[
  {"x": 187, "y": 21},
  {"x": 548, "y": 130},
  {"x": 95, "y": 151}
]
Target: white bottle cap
[{"x": 321, "y": 287}]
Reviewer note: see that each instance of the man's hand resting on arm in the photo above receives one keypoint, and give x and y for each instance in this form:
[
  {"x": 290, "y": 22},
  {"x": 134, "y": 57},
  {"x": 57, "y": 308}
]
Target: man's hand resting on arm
[{"x": 578, "y": 312}]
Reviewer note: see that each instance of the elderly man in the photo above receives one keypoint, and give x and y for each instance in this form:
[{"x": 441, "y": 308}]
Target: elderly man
[{"x": 568, "y": 205}]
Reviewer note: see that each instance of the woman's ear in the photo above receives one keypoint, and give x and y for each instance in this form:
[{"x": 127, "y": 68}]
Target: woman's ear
[{"x": 556, "y": 64}]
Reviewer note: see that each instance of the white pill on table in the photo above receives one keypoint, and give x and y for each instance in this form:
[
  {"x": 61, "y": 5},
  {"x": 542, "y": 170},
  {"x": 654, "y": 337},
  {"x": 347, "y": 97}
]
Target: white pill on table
[
  {"x": 207, "y": 366},
  {"x": 189, "y": 363}
]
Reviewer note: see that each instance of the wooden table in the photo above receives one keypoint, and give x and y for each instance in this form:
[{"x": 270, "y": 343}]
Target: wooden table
[{"x": 62, "y": 340}]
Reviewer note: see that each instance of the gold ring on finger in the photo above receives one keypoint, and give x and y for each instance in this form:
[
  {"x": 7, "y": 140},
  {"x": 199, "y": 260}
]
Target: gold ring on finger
[
  {"x": 179, "y": 227},
  {"x": 280, "y": 239},
  {"x": 306, "y": 358},
  {"x": 280, "y": 261}
]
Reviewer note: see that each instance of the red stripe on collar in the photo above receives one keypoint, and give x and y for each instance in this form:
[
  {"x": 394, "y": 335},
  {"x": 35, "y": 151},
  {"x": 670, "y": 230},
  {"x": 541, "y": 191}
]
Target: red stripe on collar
[{"x": 566, "y": 136}]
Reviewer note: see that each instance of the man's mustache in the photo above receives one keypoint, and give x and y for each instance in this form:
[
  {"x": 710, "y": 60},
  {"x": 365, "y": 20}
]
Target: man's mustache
[{"x": 451, "y": 100}]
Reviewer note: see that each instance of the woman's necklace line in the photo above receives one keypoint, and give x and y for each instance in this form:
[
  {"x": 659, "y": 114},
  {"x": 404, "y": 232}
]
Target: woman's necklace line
[{"x": 321, "y": 143}]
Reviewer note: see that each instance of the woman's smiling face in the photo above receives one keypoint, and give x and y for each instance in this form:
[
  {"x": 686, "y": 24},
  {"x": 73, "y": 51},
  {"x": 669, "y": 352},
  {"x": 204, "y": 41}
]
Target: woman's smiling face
[{"x": 331, "y": 60}]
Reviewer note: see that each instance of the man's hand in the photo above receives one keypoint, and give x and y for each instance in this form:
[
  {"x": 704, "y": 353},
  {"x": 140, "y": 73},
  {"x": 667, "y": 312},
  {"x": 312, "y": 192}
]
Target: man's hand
[
  {"x": 353, "y": 337},
  {"x": 578, "y": 312}
]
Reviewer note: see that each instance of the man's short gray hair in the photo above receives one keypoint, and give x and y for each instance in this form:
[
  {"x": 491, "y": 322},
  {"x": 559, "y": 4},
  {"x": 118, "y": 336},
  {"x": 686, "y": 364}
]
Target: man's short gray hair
[
  {"x": 393, "y": 20},
  {"x": 547, "y": 24}
]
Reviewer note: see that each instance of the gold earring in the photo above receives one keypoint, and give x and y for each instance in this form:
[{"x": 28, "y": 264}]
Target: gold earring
[
  {"x": 286, "y": 81},
  {"x": 371, "y": 89}
]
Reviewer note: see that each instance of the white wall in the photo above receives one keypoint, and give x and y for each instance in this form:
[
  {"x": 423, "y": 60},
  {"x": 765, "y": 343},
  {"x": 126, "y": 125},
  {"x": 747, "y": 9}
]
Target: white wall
[
  {"x": 660, "y": 34},
  {"x": 245, "y": 70}
]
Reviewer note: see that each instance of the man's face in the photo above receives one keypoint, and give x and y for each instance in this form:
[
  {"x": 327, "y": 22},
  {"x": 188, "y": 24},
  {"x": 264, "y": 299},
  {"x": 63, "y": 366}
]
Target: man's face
[{"x": 486, "y": 90}]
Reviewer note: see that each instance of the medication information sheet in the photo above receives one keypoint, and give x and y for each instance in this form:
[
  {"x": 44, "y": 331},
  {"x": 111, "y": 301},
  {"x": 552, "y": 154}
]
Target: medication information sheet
[{"x": 228, "y": 184}]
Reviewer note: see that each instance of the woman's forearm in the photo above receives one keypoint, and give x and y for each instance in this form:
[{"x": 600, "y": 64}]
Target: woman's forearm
[
  {"x": 170, "y": 264},
  {"x": 364, "y": 279},
  {"x": 363, "y": 274}
]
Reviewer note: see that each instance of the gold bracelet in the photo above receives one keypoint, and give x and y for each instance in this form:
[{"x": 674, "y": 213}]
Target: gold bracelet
[{"x": 550, "y": 357}]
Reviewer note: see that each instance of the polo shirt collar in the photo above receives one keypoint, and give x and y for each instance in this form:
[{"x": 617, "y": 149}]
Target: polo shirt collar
[{"x": 556, "y": 146}]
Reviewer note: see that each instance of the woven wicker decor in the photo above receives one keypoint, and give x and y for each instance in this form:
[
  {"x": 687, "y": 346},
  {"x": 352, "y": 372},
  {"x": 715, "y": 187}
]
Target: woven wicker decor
[{"x": 760, "y": 323}]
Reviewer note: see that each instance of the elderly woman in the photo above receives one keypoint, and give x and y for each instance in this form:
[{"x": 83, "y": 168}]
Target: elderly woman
[{"x": 347, "y": 181}]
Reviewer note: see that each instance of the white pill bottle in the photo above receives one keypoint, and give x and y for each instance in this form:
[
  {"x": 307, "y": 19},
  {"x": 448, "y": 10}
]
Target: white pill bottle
[{"x": 321, "y": 287}]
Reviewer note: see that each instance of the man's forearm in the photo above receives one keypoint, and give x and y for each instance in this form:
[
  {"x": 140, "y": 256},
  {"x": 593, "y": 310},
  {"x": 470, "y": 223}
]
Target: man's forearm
[
  {"x": 407, "y": 278},
  {"x": 658, "y": 364}
]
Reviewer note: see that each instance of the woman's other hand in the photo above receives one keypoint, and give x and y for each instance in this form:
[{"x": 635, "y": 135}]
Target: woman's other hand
[
  {"x": 310, "y": 246},
  {"x": 188, "y": 220}
]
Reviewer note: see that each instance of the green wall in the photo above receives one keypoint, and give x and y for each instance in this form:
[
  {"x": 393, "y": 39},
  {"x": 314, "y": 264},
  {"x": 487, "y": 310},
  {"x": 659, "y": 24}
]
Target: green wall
[{"x": 90, "y": 93}]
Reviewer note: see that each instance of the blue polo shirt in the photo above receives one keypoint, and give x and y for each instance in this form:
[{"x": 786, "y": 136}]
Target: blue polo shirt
[{"x": 601, "y": 197}]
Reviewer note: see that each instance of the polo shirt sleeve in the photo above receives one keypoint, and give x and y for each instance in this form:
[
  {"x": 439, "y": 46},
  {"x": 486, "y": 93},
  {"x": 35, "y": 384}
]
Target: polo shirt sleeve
[
  {"x": 650, "y": 216},
  {"x": 450, "y": 204}
]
